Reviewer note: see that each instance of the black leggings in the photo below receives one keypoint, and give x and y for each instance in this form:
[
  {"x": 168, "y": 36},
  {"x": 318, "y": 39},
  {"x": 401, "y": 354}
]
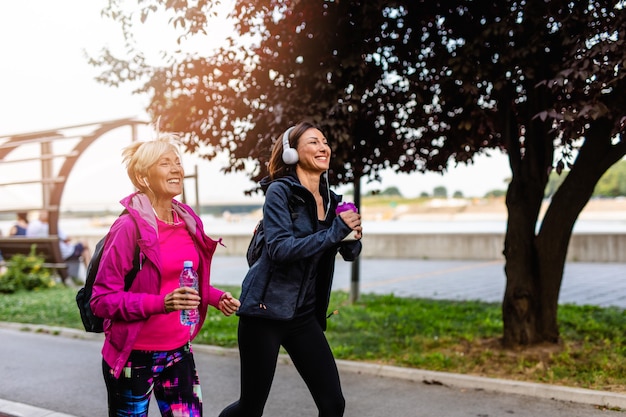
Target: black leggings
[{"x": 303, "y": 338}]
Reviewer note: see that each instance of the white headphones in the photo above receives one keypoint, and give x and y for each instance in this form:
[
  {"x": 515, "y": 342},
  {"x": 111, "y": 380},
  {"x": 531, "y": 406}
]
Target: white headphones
[{"x": 290, "y": 155}]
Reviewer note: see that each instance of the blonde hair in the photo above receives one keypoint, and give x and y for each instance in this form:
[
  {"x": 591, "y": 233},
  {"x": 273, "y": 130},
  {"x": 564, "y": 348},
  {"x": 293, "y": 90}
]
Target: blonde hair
[{"x": 139, "y": 157}]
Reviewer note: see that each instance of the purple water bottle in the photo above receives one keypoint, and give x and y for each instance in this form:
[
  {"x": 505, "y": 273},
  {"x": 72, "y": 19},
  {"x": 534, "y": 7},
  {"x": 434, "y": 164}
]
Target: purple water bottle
[{"x": 189, "y": 278}]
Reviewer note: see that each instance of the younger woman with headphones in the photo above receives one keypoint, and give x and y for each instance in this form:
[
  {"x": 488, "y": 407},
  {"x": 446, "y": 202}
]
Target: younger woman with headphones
[{"x": 286, "y": 292}]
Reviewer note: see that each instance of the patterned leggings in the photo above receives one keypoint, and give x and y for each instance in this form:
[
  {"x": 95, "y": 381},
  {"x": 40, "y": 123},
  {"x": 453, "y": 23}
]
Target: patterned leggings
[{"x": 171, "y": 375}]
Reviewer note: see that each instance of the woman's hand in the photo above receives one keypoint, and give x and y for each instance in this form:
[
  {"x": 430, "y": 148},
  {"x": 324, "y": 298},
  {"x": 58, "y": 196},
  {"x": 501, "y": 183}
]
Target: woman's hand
[
  {"x": 228, "y": 304},
  {"x": 353, "y": 220},
  {"x": 185, "y": 298}
]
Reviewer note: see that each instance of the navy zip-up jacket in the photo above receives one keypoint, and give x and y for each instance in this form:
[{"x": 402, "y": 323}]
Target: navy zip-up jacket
[{"x": 296, "y": 249}]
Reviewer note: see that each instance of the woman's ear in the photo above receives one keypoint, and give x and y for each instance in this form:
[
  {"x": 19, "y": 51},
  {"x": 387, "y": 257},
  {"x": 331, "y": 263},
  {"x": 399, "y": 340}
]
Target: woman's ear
[{"x": 142, "y": 180}]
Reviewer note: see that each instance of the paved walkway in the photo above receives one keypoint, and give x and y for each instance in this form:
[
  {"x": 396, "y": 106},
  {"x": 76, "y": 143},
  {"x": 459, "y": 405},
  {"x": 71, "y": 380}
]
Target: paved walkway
[
  {"x": 601, "y": 284},
  {"x": 583, "y": 283},
  {"x": 59, "y": 369}
]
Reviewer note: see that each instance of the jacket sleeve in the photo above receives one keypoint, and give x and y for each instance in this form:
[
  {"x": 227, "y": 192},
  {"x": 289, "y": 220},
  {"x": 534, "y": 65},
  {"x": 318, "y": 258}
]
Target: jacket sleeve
[
  {"x": 350, "y": 250},
  {"x": 109, "y": 299},
  {"x": 212, "y": 294},
  {"x": 282, "y": 243}
]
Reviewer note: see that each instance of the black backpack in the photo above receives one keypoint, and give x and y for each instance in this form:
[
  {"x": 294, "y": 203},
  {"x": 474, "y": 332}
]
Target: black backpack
[
  {"x": 255, "y": 247},
  {"x": 92, "y": 323}
]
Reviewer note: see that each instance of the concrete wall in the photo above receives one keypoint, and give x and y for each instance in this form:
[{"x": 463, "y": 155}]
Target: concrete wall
[
  {"x": 597, "y": 247},
  {"x": 584, "y": 247}
]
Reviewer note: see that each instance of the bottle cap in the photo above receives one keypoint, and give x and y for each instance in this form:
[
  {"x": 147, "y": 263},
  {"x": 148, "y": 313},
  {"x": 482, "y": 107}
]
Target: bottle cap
[{"x": 188, "y": 264}]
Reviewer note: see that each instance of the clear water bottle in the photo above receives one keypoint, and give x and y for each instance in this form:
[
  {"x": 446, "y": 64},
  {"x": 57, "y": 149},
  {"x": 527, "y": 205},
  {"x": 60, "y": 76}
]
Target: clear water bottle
[{"x": 189, "y": 278}]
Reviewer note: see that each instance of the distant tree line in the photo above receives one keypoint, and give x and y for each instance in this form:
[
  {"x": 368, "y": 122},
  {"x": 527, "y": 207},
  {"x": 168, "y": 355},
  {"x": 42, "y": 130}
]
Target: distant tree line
[{"x": 611, "y": 184}]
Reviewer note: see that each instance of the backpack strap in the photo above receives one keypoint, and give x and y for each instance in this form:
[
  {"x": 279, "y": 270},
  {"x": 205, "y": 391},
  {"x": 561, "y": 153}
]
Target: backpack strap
[{"x": 130, "y": 276}]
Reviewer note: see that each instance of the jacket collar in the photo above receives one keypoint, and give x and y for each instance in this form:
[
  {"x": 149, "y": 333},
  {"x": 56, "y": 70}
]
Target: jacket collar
[{"x": 291, "y": 179}]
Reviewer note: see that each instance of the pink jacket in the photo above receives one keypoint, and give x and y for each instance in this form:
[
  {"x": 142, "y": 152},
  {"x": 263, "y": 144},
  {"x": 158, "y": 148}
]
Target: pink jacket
[{"x": 125, "y": 312}]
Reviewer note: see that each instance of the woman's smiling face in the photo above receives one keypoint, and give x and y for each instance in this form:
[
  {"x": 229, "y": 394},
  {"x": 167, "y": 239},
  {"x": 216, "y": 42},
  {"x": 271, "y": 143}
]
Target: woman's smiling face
[
  {"x": 166, "y": 176},
  {"x": 313, "y": 151}
]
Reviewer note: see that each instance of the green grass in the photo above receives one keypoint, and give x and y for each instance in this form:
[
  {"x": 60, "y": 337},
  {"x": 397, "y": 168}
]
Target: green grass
[{"x": 447, "y": 336}]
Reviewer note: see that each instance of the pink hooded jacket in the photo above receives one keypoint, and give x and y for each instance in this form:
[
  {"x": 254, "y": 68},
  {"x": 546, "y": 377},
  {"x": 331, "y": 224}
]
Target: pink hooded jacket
[{"x": 125, "y": 312}]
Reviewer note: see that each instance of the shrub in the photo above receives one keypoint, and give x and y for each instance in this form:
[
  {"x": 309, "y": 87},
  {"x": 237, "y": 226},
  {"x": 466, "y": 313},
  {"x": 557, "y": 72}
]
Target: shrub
[{"x": 26, "y": 272}]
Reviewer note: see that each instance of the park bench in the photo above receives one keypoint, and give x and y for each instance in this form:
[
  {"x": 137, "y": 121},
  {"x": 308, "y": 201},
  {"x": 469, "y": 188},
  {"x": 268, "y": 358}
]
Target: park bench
[{"x": 47, "y": 247}]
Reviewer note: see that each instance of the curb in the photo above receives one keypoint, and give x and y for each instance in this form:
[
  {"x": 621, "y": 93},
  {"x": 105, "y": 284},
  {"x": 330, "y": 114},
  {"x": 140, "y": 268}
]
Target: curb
[
  {"x": 555, "y": 392},
  {"x": 13, "y": 409}
]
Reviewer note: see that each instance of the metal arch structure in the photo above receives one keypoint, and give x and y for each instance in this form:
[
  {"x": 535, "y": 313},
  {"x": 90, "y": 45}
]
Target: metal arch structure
[{"x": 53, "y": 184}]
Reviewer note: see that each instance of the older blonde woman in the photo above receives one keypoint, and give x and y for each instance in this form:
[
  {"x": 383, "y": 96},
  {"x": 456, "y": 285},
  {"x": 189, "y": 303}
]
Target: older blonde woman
[{"x": 146, "y": 348}]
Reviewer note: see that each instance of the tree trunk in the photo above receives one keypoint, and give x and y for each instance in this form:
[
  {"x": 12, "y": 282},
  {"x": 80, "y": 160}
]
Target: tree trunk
[
  {"x": 529, "y": 166},
  {"x": 535, "y": 263}
]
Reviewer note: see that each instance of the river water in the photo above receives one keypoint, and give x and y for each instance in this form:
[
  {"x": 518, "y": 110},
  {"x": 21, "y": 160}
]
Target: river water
[{"x": 219, "y": 226}]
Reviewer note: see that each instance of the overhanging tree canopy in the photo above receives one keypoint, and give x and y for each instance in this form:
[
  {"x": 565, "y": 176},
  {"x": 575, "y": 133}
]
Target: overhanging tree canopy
[
  {"x": 332, "y": 62},
  {"x": 412, "y": 85}
]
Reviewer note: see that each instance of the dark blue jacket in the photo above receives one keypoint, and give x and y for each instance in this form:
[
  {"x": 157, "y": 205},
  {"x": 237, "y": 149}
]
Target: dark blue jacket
[{"x": 293, "y": 240}]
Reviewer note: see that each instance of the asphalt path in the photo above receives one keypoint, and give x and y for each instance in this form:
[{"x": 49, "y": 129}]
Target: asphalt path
[
  {"x": 62, "y": 373},
  {"x": 592, "y": 283}
]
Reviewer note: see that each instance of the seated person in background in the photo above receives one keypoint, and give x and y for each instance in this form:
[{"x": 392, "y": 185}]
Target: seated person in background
[
  {"x": 69, "y": 251},
  {"x": 73, "y": 251},
  {"x": 38, "y": 227},
  {"x": 19, "y": 228}
]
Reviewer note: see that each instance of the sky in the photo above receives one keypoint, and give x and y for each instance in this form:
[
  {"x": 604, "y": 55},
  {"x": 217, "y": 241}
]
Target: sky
[{"x": 46, "y": 83}]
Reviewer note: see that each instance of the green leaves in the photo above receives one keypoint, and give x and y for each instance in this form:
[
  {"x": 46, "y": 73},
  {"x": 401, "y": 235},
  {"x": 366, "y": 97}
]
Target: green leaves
[{"x": 25, "y": 272}]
